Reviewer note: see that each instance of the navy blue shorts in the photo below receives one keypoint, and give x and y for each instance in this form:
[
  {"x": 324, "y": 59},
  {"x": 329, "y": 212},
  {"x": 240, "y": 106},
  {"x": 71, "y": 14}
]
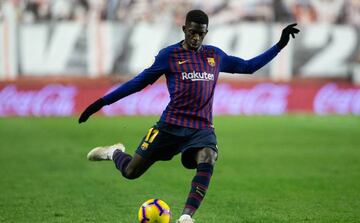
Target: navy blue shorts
[{"x": 163, "y": 141}]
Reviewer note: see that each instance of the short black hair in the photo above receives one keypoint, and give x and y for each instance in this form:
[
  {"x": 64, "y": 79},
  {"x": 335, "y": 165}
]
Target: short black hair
[{"x": 197, "y": 16}]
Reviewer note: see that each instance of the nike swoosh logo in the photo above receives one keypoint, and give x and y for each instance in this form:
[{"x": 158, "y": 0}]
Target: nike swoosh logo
[{"x": 182, "y": 62}]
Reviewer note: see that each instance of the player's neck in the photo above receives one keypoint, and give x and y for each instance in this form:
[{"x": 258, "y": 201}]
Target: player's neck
[{"x": 186, "y": 47}]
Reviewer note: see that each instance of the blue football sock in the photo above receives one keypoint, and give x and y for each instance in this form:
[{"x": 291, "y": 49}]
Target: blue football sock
[
  {"x": 121, "y": 160},
  {"x": 199, "y": 186}
]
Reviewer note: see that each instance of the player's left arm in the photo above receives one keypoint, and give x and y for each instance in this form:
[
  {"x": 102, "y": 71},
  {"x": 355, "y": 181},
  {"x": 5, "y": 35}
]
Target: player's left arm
[{"x": 232, "y": 64}]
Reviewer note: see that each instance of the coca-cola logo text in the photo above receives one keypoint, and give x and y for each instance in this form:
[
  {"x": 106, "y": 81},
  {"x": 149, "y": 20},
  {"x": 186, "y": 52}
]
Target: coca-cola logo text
[
  {"x": 150, "y": 101},
  {"x": 332, "y": 99},
  {"x": 51, "y": 100},
  {"x": 267, "y": 98},
  {"x": 229, "y": 99}
]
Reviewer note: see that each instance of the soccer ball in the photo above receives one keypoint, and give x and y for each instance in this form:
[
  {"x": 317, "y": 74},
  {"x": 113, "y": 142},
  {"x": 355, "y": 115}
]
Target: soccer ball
[{"x": 154, "y": 211}]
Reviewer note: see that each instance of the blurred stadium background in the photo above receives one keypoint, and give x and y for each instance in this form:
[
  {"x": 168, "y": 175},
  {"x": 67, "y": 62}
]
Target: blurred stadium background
[
  {"x": 88, "y": 46},
  {"x": 288, "y": 135}
]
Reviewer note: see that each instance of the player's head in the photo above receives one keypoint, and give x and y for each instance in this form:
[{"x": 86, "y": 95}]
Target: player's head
[{"x": 195, "y": 28}]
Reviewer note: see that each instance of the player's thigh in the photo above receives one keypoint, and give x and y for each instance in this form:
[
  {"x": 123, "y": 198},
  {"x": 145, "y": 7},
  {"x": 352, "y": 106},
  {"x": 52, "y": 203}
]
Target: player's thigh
[
  {"x": 158, "y": 145},
  {"x": 202, "y": 147}
]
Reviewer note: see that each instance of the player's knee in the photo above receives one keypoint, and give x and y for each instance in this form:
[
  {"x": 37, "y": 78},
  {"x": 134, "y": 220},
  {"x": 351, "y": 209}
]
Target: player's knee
[
  {"x": 131, "y": 174},
  {"x": 206, "y": 155}
]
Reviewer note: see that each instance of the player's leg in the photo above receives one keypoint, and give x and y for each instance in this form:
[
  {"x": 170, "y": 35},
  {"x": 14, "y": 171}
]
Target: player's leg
[
  {"x": 156, "y": 145},
  {"x": 205, "y": 160},
  {"x": 131, "y": 167}
]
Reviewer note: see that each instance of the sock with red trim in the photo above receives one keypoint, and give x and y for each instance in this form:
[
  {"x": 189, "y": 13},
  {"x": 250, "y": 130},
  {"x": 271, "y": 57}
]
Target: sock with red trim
[{"x": 199, "y": 186}]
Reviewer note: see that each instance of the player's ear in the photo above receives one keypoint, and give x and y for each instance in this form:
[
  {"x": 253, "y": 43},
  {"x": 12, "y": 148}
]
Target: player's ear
[{"x": 184, "y": 28}]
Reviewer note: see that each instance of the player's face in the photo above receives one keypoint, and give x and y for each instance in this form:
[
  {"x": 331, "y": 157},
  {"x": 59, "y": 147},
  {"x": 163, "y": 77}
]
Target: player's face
[{"x": 194, "y": 35}]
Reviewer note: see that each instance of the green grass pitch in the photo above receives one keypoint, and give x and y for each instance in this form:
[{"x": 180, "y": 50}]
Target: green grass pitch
[{"x": 270, "y": 169}]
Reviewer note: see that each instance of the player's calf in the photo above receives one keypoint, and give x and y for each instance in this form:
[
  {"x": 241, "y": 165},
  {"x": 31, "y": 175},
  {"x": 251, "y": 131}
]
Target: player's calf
[
  {"x": 199, "y": 187},
  {"x": 205, "y": 159}
]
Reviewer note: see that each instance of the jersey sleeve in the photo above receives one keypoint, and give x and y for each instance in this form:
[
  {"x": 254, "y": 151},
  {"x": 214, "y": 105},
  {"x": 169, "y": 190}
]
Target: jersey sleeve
[
  {"x": 139, "y": 82},
  {"x": 232, "y": 64}
]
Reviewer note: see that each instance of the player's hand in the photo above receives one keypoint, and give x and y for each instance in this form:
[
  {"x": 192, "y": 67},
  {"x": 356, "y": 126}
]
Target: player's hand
[
  {"x": 91, "y": 109},
  {"x": 285, "y": 35}
]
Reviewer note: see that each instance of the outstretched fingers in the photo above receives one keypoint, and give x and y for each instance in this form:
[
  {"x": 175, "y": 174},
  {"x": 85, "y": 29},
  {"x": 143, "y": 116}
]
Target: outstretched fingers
[
  {"x": 292, "y": 30},
  {"x": 285, "y": 35}
]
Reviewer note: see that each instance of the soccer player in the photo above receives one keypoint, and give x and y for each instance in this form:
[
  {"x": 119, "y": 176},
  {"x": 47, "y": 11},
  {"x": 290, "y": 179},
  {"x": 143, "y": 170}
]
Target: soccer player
[{"x": 191, "y": 70}]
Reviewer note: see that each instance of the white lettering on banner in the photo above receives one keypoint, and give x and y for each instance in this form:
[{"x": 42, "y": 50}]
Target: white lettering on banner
[
  {"x": 48, "y": 49},
  {"x": 51, "y": 100},
  {"x": 72, "y": 48},
  {"x": 331, "y": 57},
  {"x": 261, "y": 99},
  {"x": 331, "y": 99},
  {"x": 197, "y": 76},
  {"x": 270, "y": 99}
]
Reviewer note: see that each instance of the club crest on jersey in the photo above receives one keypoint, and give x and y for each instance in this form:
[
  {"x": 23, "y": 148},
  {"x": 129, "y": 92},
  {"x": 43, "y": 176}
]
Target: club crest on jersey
[{"x": 211, "y": 61}]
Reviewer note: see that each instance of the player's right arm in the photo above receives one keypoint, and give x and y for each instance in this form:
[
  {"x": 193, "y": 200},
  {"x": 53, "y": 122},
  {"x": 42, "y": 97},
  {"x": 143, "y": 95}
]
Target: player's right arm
[{"x": 148, "y": 76}]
